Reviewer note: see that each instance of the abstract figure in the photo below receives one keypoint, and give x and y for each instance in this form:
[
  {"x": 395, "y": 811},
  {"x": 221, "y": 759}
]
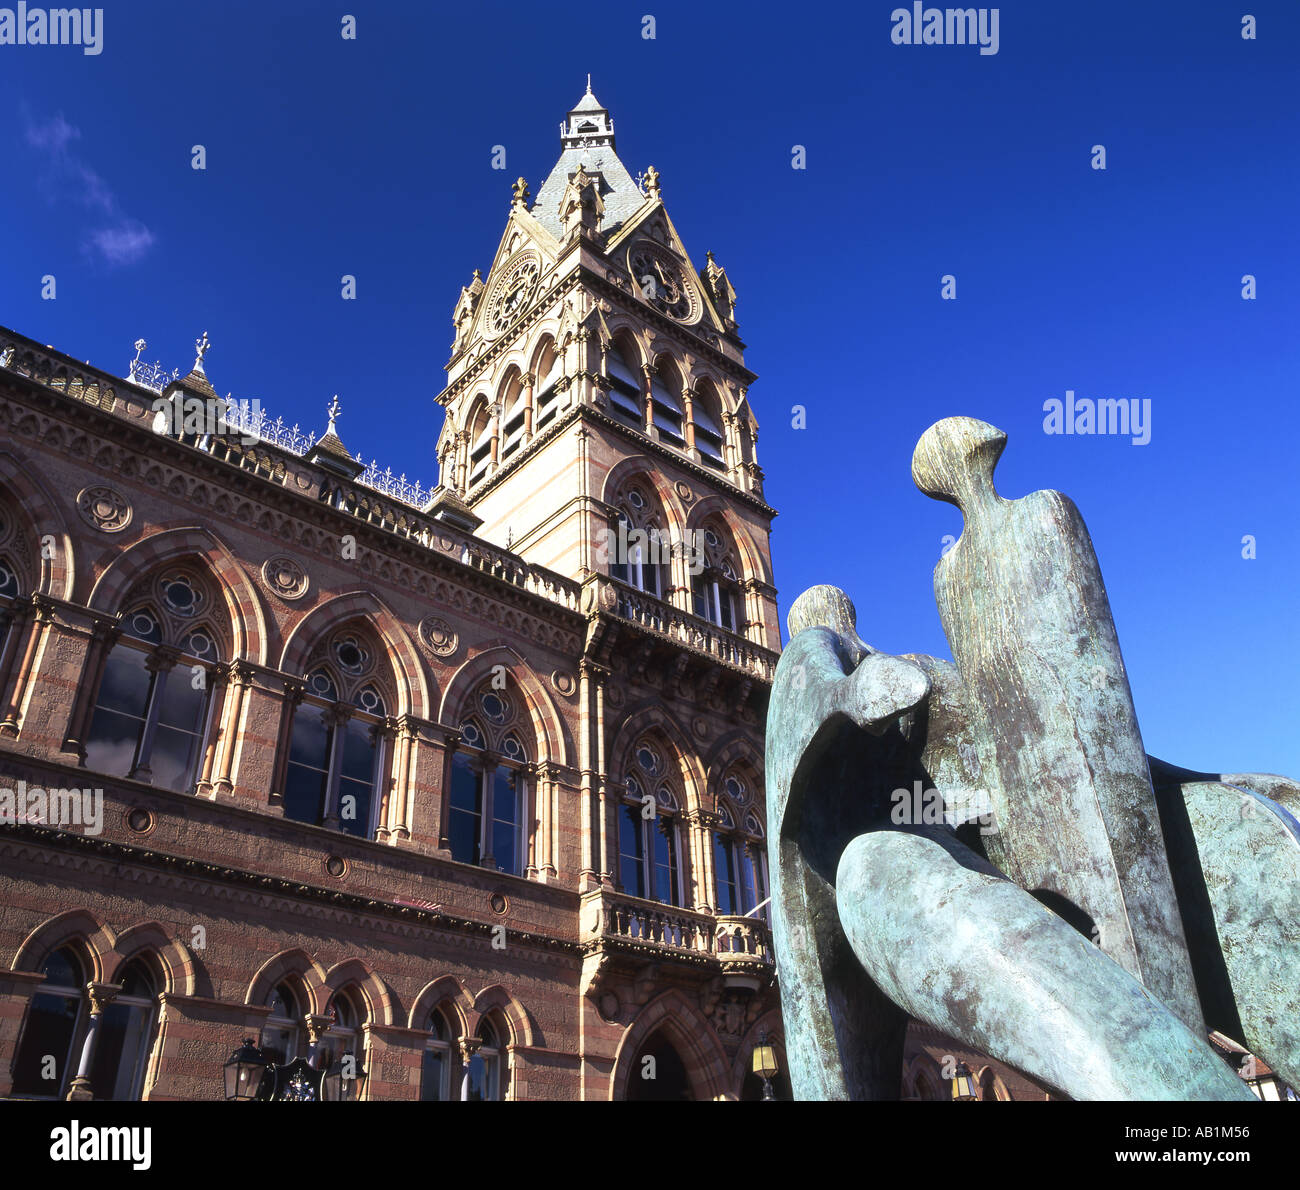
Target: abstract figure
[{"x": 1078, "y": 909}]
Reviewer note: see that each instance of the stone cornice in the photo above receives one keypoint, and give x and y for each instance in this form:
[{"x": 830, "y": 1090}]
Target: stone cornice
[{"x": 201, "y": 870}]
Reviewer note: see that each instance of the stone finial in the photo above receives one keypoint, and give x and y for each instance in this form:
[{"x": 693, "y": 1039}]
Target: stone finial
[
  {"x": 652, "y": 182},
  {"x": 201, "y": 348},
  {"x": 521, "y": 192},
  {"x": 335, "y": 411}
]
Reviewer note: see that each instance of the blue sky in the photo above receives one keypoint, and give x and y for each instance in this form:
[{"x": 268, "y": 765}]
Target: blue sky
[{"x": 373, "y": 158}]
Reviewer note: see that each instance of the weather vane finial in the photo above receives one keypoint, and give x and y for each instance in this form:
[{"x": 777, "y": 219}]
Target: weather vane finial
[
  {"x": 335, "y": 411},
  {"x": 589, "y": 82},
  {"x": 201, "y": 348}
]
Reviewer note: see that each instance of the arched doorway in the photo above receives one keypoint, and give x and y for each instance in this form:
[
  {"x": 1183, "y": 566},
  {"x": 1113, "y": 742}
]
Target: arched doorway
[{"x": 658, "y": 1074}]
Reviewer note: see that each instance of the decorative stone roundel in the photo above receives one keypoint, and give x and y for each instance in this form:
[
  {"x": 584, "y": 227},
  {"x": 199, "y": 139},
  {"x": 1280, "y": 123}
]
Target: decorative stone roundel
[
  {"x": 104, "y": 508},
  {"x": 564, "y": 683},
  {"x": 440, "y": 636},
  {"x": 285, "y": 577}
]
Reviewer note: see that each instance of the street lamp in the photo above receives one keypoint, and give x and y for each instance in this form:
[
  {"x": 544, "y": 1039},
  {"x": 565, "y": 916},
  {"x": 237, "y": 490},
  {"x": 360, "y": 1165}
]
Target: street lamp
[
  {"x": 765, "y": 1065},
  {"x": 963, "y": 1085},
  {"x": 245, "y": 1069},
  {"x": 342, "y": 1081}
]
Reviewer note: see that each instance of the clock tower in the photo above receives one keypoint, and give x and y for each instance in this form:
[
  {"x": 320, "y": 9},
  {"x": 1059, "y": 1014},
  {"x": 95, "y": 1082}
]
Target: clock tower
[{"x": 597, "y": 412}]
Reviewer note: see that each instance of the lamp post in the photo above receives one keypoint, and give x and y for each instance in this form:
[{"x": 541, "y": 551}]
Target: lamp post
[
  {"x": 765, "y": 1066},
  {"x": 245, "y": 1071},
  {"x": 963, "y": 1085}
]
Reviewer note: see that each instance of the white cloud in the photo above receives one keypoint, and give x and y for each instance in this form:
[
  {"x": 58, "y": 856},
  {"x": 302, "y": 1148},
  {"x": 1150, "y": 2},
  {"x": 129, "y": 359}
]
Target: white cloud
[{"x": 67, "y": 176}]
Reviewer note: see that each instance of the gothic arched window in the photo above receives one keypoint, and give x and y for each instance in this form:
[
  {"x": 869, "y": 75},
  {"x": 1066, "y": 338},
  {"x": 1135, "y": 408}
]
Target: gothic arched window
[
  {"x": 625, "y": 392},
  {"x": 483, "y": 1080},
  {"x": 715, "y": 590},
  {"x": 640, "y": 551},
  {"x": 337, "y": 742},
  {"x": 550, "y": 371},
  {"x": 486, "y": 809},
  {"x": 739, "y": 858},
  {"x": 666, "y": 404},
  {"x": 480, "y": 441},
  {"x": 126, "y": 1035},
  {"x": 282, "y": 1033},
  {"x": 151, "y": 710},
  {"x": 649, "y": 859},
  {"x": 706, "y": 416},
  {"x": 44, "y": 1064},
  {"x": 512, "y": 417},
  {"x": 441, "y": 1056}
]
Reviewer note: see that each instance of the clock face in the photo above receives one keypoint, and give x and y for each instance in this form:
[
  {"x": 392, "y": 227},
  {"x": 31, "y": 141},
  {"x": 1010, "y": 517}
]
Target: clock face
[
  {"x": 662, "y": 281},
  {"x": 514, "y": 291}
]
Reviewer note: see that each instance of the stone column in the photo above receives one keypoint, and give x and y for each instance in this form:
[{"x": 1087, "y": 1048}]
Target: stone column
[
  {"x": 648, "y": 372},
  {"x": 217, "y": 702},
  {"x": 700, "y": 850},
  {"x": 160, "y": 663},
  {"x": 15, "y": 624},
  {"x": 529, "y": 382},
  {"x": 239, "y": 675},
  {"x": 292, "y": 695},
  {"x": 469, "y": 1046},
  {"x": 39, "y": 618},
  {"x": 588, "y": 877},
  {"x": 101, "y": 995},
  {"x": 688, "y": 420}
]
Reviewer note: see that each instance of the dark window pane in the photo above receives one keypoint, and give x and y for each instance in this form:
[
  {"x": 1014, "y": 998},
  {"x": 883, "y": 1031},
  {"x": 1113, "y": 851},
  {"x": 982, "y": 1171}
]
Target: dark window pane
[
  {"x": 354, "y": 807},
  {"x": 51, "y": 1021},
  {"x": 119, "y": 713},
  {"x": 466, "y": 785},
  {"x": 181, "y": 705},
  {"x": 304, "y": 794},
  {"x": 505, "y": 816},
  {"x": 724, "y": 862},
  {"x": 665, "y": 841},
  {"x": 358, "y": 752},
  {"x": 631, "y": 849},
  {"x": 309, "y": 743},
  {"x": 435, "y": 1066},
  {"x": 120, "y": 1051}
]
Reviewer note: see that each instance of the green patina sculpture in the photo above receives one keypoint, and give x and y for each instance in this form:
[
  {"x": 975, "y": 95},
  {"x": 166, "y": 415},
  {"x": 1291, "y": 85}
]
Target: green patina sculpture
[{"x": 1077, "y": 909}]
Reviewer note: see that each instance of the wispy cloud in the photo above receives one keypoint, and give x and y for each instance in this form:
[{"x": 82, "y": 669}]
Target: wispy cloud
[{"x": 119, "y": 240}]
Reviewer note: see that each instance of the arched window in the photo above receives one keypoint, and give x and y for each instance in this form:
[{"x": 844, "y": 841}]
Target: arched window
[
  {"x": 640, "y": 551},
  {"x": 649, "y": 858},
  {"x": 480, "y": 442},
  {"x": 150, "y": 717},
  {"x": 282, "y": 1033},
  {"x": 126, "y": 1035},
  {"x": 45, "y": 1061},
  {"x": 715, "y": 589},
  {"x": 625, "y": 399},
  {"x": 342, "y": 1041},
  {"x": 550, "y": 371},
  {"x": 706, "y": 415},
  {"x": 337, "y": 742},
  {"x": 488, "y": 799},
  {"x": 440, "y": 1058},
  {"x": 483, "y": 1080},
  {"x": 666, "y": 404},
  {"x": 512, "y": 424},
  {"x": 739, "y": 858}
]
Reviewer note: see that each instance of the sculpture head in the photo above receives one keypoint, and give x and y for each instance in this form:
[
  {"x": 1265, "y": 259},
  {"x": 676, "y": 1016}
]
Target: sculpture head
[{"x": 955, "y": 458}]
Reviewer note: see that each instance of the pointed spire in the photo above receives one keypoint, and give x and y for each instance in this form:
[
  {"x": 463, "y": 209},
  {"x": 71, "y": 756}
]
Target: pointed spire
[{"x": 329, "y": 451}]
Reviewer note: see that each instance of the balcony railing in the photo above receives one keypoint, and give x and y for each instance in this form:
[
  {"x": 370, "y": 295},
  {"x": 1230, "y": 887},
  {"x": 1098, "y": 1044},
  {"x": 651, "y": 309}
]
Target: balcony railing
[
  {"x": 665, "y": 620},
  {"x": 611, "y": 917}
]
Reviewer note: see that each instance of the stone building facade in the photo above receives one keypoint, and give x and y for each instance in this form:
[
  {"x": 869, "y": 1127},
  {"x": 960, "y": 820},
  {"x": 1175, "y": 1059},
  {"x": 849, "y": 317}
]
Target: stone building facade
[{"x": 466, "y": 783}]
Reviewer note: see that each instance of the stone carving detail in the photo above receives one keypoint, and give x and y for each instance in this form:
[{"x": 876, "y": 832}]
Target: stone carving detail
[
  {"x": 1185, "y": 901},
  {"x": 104, "y": 508},
  {"x": 564, "y": 683},
  {"x": 440, "y": 637},
  {"x": 285, "y": 577}
]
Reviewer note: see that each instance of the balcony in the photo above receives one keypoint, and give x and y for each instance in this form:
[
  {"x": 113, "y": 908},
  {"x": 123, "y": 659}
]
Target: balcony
[
  {"x": 662, "y": 619},
  {"x": 740, "y": 948}
]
